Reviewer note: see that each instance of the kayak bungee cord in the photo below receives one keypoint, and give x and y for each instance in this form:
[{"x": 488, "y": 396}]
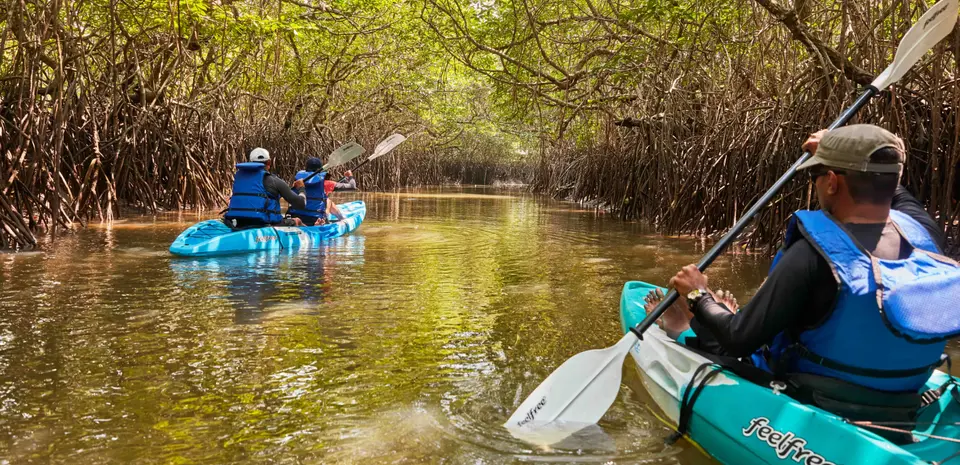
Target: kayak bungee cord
[
  {"x": 279, "y": 239},
  {"x": 947, "y": 459},
  {"x": 686, "y": 404},
  {"x": 670, "y": 425},
  {"x": 867, "y": 424}
]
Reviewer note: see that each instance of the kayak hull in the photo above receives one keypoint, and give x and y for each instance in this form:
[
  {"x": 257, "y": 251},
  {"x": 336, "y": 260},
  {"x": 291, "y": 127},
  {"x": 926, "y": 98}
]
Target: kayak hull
[
  {"x": 739, "y": 422},
  {"x": 213, "y": 237}
]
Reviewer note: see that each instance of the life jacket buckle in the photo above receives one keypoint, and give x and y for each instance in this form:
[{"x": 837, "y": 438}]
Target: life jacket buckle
[{"x": 778, "y": 387}]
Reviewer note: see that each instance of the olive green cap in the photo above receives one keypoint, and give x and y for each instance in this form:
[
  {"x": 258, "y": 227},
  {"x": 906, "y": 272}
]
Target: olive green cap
[{"x": 850, "y": 147}]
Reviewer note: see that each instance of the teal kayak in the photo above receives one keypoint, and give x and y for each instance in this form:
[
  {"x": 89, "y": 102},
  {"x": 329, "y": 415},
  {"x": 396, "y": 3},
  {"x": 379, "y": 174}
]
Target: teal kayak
[
  {"x": 213, "y": 237},
  {"x": 739, "y": 422}
]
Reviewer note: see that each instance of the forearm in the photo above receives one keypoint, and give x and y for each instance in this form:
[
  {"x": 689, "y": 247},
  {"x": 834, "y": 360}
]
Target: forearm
[
  {"x": 733, "y": 331},
  {"x": 797, "y": 294},
  {"x": 294, "y": 199}
]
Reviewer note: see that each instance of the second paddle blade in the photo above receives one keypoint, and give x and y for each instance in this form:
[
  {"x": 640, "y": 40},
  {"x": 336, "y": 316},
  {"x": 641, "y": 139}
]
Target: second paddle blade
[
  {"x": 345, "y": 153},
  {"x": 387, "y": 145},
  {"x": 578, "y": 392}
]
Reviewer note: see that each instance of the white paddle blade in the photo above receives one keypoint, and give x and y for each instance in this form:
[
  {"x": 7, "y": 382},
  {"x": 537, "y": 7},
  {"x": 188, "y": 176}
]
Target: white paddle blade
[
  {"x": 579, "y": 392},
  {"x": 568, "y": 436},
  {"x": 387, "y": 145},
  {"x": 932, "y": 27},
  {"x": 345, "y": 153}
]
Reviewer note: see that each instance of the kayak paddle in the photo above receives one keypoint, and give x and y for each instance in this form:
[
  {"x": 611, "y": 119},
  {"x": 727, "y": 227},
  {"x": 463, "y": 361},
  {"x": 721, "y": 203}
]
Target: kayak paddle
[
  {"x": 345, "y": 153},
  {"x": 383, "y": 148},
  {"x": 582, "y": 389}
]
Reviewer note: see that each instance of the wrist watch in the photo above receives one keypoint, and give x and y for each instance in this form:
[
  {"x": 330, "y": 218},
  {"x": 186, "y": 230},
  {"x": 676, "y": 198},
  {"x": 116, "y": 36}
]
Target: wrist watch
[{"x": 694, "y": 297}]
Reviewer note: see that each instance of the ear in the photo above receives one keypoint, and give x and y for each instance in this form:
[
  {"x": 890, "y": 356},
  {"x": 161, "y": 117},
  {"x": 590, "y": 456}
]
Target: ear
[{"x": 833, "y": 183}]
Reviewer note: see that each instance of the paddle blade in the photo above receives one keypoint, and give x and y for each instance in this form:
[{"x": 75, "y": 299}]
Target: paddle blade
[
  {"x": 345, "y": 153},
  {"x": 932, "y": 27},
  {"x": 579, "y": 392},
  {"x": 387, "y": 145}
]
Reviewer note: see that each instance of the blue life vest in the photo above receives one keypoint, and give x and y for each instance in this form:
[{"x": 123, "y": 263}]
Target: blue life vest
[
  {"x": 250, "y": 198},
  {"x": 316, "y": 198},
  {"x": 891, "y": 319}
]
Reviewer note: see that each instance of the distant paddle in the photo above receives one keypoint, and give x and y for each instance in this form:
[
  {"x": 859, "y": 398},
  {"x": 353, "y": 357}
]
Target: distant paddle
[
  {"x": 383, "y": 148},
  {"x": 584, "y": 387},
  {"x": 345, "y": 153}
]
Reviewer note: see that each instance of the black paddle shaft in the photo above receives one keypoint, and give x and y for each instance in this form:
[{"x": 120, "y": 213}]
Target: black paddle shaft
[
  {"x": 731, "y": 235},
  {"x": 355, "y": 169},
  {"x": 312, "y": 175},
  {"x": 321, "y": 170}
]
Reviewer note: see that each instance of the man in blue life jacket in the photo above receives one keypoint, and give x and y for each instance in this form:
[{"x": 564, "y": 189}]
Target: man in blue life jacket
[
  {"x": 316, "y": 190},
  {"x": 858, "y": 299},
  {"x": 256, "y": 194}
]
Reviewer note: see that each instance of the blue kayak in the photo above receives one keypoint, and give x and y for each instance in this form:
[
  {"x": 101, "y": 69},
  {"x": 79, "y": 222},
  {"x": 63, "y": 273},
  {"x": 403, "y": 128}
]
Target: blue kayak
[
  {"x": 739, "y": 422},
  {"x": 213, "y": 237}
]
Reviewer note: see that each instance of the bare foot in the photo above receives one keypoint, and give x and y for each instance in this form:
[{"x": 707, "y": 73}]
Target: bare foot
[
  {"x": 727, "y": 299},
  {"x": 675, "y": 320}
]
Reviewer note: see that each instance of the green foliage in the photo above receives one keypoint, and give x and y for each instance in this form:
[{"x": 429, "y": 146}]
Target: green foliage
[
  {"x": 204, "y": 80},
  {"x": 150, "y": 103}
]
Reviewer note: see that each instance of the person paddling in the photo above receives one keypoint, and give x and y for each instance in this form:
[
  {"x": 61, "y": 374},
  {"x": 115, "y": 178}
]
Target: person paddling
[
  {"x": 316, "y": 190},
  {"x": 348, "y": 183},
  {"x": 256, "y": 194},
  {"x": 821, "y": 320}
]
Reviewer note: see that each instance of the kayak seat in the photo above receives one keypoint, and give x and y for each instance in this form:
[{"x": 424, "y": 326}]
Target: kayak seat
[
  {"x": 308, "y": 220},
  {"x": 240, "y": 224},
  {"x": 858, "y": 403}
]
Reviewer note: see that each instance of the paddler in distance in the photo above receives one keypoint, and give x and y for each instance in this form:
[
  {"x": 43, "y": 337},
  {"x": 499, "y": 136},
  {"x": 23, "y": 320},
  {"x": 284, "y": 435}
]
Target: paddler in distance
[
  {"x": 821, "y": 321},
  {"x": 317, "y": 191},
  {"x": 348, "y": 183},
  {"x": 256, "y": 194}
]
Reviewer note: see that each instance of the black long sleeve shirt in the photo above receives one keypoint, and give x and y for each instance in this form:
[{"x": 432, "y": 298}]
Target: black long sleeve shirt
[
  {"x": 276, "y": 186},
  {"x": 799, "y": 293}
]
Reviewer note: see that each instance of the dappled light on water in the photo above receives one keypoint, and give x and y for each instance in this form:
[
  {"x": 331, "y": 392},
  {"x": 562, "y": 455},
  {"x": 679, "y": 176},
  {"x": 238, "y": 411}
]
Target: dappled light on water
[
  {"x": 451, "y": 195},
  {"x": 408, "y": 341}
]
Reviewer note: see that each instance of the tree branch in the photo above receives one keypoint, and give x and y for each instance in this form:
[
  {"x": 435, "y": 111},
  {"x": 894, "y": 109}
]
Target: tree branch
[{"x": 816, "y": 46}]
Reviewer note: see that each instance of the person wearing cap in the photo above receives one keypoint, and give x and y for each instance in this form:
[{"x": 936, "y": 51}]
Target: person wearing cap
[
  {"x": 819, "y": 315},
  {"x": 317, "y": 189},
  {"x": 256, "y": 194}
]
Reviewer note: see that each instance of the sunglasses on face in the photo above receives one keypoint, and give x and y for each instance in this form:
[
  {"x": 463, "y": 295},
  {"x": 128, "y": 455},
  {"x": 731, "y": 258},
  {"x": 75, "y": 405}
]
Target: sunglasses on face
[{"x": 816, "y": 173}]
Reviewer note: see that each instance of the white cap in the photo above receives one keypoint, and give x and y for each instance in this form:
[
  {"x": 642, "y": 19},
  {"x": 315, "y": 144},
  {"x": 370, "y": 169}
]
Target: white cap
[{"x": 259, "y": 154}]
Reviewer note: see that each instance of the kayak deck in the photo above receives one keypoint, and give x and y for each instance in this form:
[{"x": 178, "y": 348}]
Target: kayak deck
[
  {"x": 213, "y": 237},
  {"x": 739, "y": 422}
]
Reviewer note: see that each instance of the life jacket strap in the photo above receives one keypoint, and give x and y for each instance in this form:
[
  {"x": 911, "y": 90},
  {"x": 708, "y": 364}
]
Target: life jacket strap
[
  {"x": 808, "y": 355},
  {"x": 255, "y": 194},
  {"x": 254, "y": 210}
]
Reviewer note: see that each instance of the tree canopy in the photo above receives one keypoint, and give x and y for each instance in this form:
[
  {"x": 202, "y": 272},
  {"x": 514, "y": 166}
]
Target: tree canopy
[{"x": 110, "y": 104}]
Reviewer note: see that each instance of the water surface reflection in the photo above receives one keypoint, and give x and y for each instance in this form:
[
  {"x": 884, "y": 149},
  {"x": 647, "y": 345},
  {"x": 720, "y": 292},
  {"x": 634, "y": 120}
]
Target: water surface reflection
[{"x": 409, "y": 341}]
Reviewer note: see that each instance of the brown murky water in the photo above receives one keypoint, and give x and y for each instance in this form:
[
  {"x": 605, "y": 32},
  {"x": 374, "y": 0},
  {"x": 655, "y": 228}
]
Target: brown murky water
[{"x": 408, "y": 341}]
